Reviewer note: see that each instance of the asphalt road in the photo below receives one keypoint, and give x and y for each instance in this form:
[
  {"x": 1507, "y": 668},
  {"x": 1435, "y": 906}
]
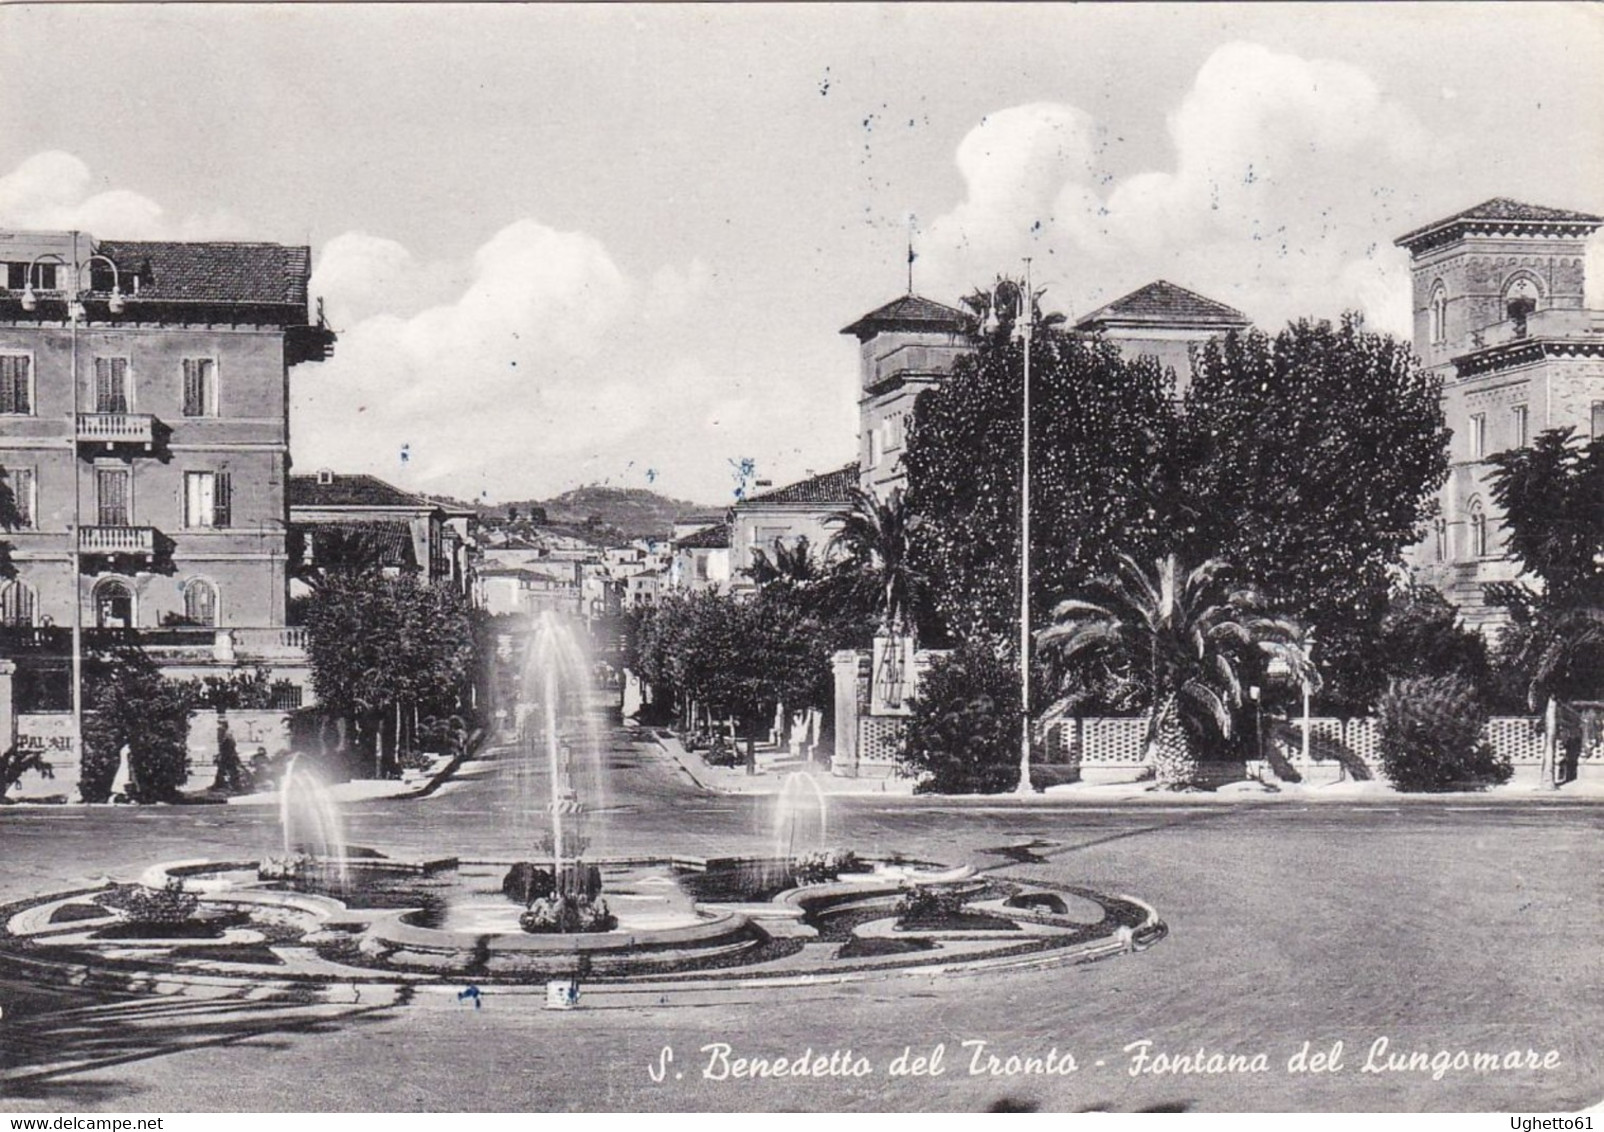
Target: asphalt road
[{"x": 1436, "y": 927}]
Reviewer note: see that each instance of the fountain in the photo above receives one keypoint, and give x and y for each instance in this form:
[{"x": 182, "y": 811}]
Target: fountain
[
  {"x": 310, "y": 823},
  {"x": 800, "y": 808},
  {"x": 779, "y": 919}
]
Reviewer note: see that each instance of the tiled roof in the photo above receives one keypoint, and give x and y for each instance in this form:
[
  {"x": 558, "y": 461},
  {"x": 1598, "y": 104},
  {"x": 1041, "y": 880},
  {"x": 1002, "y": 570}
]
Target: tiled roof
[
  {"x": 911, "y": 312},
  {"x": 716, "y": 537},
  {"x": 1162, "y": 302},
  {"x": 213, "y": 272},
  {"x": 352, "y": 491},
  {"x": 831, "y": 487},
  {"x": 1502, "y": 211}
]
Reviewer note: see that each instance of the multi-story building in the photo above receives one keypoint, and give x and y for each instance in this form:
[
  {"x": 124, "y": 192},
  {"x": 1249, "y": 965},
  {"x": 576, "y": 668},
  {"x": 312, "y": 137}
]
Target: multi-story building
[
  {"x": 1499, "y": 315},
  {"x": 144, "y": 431}
]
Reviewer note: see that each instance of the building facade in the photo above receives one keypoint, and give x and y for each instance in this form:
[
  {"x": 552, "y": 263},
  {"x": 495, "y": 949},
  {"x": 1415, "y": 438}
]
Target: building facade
[
  {"x": 1165, "y": 322},
  {"x": 333, "y": 516},
  {"x": 786, "y": 515},
  {"x": 144, "y": 432},
  {"x": 904, "y": 348},
  {"x": 1499, "y": 313}
]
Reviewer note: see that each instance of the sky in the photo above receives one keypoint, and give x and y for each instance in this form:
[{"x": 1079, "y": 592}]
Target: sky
[{"x": 616, "y": 244}]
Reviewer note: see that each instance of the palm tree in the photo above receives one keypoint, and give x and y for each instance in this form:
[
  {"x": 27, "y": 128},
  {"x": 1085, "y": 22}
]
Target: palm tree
[
  {"x": 877, "y": 535},
  {"x": 793, "y": 567},
  {"x": 1185, "y": 637}
]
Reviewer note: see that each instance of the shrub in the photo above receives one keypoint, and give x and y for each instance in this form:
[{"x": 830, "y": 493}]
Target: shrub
[
  {"x": 721, "y": 752},
  {"x": 1429, "y": 734},
  {"x": 923, "y": 906},
  {"x": 15, "y": 762},
  {"x": 525, "y": 883},
  {"x": 293, "y": 867},
  {"x": 825, "y": 865},
  {"x": 963, "y": 736},
  {"x": 568, "y": 914},
  {"x": 169, "y": 904}
]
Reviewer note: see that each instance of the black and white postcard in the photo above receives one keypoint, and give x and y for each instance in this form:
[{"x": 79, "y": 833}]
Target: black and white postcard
[{"x": 820, "y": 557}]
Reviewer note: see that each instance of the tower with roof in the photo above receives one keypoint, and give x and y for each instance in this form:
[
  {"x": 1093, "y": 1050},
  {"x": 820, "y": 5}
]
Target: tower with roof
[
  {"x": 1499, "y": 314},
  {"x": 905, "y": 347}
]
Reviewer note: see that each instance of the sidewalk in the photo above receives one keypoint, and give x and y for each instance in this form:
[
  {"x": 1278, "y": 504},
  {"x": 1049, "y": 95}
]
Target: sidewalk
[
  {"x": 774, "y": 766},
  {"x": 411, "y": 784}
]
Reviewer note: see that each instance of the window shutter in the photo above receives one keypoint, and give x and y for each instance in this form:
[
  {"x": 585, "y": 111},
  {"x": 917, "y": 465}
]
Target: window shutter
[
  {"x": 223, "y": 501},
  {"x": 22, "y": 393},
  {"x": 8, "y": 385},
  {"x": 194, "y": 393},
  {"x": 22, "y": 491}
]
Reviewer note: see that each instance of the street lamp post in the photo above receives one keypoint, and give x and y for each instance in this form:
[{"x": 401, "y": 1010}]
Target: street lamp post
[{"x": 75, "y": 314}]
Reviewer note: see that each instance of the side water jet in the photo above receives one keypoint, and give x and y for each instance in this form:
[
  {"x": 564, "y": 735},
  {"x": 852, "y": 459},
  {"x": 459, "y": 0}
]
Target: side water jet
[
  {"x": 310, "y": 821},
  {"x": 800, "y": 810}
]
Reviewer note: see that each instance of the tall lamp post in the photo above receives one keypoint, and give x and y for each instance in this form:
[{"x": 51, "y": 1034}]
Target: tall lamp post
[
  {"x": 1024, "y": 318},
  {"x": 76, "y": 313}
]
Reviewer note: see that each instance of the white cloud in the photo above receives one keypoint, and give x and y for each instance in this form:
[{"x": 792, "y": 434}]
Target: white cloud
[
  {"x": 1278, "y": 186},
  {"x": 54, "y": 190},
  {"x": 548, "y": 366}
]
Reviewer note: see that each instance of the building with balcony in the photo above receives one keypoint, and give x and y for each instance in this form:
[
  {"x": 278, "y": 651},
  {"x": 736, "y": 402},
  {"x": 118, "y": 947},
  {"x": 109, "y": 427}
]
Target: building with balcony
[
  {"x": 144, "y": 433},
  {"x": 1499, "y": 304}
]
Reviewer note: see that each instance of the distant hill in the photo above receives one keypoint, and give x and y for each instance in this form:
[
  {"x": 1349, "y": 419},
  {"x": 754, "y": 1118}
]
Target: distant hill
[{"x": 601, "y": 514}]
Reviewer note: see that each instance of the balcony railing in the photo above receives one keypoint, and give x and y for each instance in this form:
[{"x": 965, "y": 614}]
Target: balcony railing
[
  {"x": 117, "y": 428},
  {"x": 265, "y": 642},
  {"x": 117, "y": 540}
]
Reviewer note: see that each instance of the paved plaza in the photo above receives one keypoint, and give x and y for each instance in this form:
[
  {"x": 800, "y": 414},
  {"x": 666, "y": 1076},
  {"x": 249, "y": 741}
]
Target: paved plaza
[{"x": 1437, "y": 926}]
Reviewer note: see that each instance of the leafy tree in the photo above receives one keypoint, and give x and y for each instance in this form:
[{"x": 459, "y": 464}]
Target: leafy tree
[
  {"x": 963, "y": 735},
  {"x": 1101, "y": 433},
  {"x": 384, "y": 650},
  {"x": 132, "y": 705},
  {"x": 1421, "y": 636},
  {"x": 1552, "y": 495},
  {"x": 1311, "y": 461},
  {"x": 1185, "y": 640}
]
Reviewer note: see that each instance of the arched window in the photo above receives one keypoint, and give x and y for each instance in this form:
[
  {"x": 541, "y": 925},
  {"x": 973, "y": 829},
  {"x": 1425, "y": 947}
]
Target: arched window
[
  {"x": 1522, "y": 293},
  {"x": 200, "y": 602},
  {"x": 1441, "y": 531},
  {"x": 1478, "y": 531},
  {"x": 1438, "y": 312},
  {"x": 18, "y": 605},
  {"x": 114, "y": 605}
]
